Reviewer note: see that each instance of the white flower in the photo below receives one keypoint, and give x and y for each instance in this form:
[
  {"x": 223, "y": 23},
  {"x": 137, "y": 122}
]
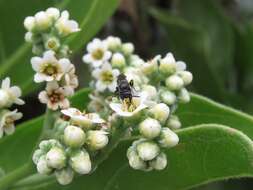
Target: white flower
[
  {"x": 48, "y": 68},
  {"x": 133, "y": 73},
  {"x": 74, "y": 136},
  {"x": 9, "y": 95},
  {"x": 7, "y": 121},
  {"x": 97, "y": 139},
  {"x": 85, "y": 120},
  {"x": 80, "y": 162},
  {"x": 106, "y": 78},
  {"x": 129, "y": 109},
  {"x": 97, "y": 53},
  {"x": 55, "y": 96},
  {"x": 56, "y": 158},
  {"x": 65, "y": 26}
]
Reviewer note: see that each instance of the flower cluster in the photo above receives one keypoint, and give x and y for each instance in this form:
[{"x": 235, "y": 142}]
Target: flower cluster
[
  {"x": 77, "y": 139},
  {"x": 47, "y": 31},
  {"x": 9, "y": 95},
  {"x": 148, "y": 108}
]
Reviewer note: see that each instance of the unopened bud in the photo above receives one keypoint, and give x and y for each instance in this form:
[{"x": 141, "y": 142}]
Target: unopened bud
[
  {"x": 64, "y": 176},
  {"x": 150, "y": 128},
  {"x": 184, "y": 96},
  {"x": 97, "y": 139},
  {"x": 135, "y": 161},
  {"x": 113, "y": 43},
  {"x": 29, "y": 23},
  {"x": 56, "y": 158},
  {"x": 150, "y": 90},
  {"x": 36, "y": 156},
  {"x": 160, "y": 112},
  {"x": 147, "y": 150},
  {"x": 42, "y": 20},
  {"x": 118, "y": 60},
  {"x": 74, "y": 136},
  {"x": 4, "y": 98},
  {"x": 160, "y": 162},
  {"x": 186, "y": 76},
  {"x": 53, "y": 13},
  {"x": 42, "y": 166},
  {"x": 168, "y": 97},
  {"x": 29, "y": 37},
  {"x": 174, "y": 82},
  {"x": 173, "y": 122},
  {"x": 168, "y": 65},
  {"x": 80, "y": 162},
  {"x": 168, "y": 138},
  {"x": 128, "y": 48}
]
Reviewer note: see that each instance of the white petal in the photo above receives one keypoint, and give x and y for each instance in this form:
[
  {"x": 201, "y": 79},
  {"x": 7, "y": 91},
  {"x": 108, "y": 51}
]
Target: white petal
[
  {"x": 65, "y": 64},
  {"x": 19, "y": 101},
  {"x": 96, "y": 73},
  {"x": 100, "y": 86},
  {"x": 97, "y": 63},
  {"x": 16, "y": 91},
  {"x": 49, "y": 56},
  {"x": 112, "y": 86},
  {"x": 9, "y": 130},
  {"x": 43, "y": 97},
  {"x": 115, "y": 72},
  {"x": 107, "y": 55},
  {"x": 106, "y": 66},
  {"x": 36, "y": 63},
  {"x": 181, "y": 66},
  {"x": 64, "y": 103},
  {"x": 1, "y": 132},
  {"x": 6, "y": 83},
  {"x": 87, "y": 58},
  {"x": 38, "y": 77},
  {"x": 52, "y": 86}
]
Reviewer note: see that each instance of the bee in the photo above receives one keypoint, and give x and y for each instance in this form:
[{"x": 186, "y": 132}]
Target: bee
[{"x": 125, "y": 89}]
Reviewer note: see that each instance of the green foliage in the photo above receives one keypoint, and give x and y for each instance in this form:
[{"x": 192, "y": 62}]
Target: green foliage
[{"x": 15, "y": 54}]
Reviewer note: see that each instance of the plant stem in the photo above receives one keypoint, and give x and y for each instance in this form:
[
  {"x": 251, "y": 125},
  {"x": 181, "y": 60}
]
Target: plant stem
[{"x": 28, "y": 169}]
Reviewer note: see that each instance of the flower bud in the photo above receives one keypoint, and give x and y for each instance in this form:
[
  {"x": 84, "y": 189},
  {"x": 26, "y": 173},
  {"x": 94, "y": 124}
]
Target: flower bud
[
  {"x": 113, "y": 43},
  {"x": 184, "y": 96},
  {"x": 160, "y": 162},
  {"x": 150, "y": 67},
  {"x": 173, "y": 122},
  {"x": 80, "y": 162},
  {"x": 36, "y": 156},
  {"x": 168, "y": 65},
  {"x": 42, "y": 166},
  {"x": 29, "y": 23},
  {"x": 168, "y": 138},
  {"x": 168, "y": 97},
  {"x": 118, "y": 60},
  {"x": 74, "y": 136},
  {"x": 150, "y": 90},
  {"x": 150, "y": 128},
  {"x": 97, "y": 139},
  {"x": 147, "y": 150},
  {"x": 4, "y": 98},
  {"x": 160, "y": 112},
  {"x": 174, "y": 82},
  {"x": 64, "y": 176},
  {"x": 42, "y": 20},
  {"x": 56, "y": 158},
  {"x": 38, "y": 49},
  {"x": 29, "y": 37},
  {"x": 135, "y": 161},
  {"x": 46, "y": 145},
  {"x": 186, "y": 77},
  {"x": 52, "y": 43},
  {"x": 128, "y": 48},
  {"x": 53, "y": 13}
]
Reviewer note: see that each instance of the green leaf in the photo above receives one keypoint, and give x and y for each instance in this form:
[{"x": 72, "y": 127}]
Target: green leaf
[
  {"x": 203, "y": 110},
  {"x": 17, "y": 148},
  {"x": 91, "y": 14},
  {"x": 199, "y": 34},
  {"x": 205, "y": 153}
]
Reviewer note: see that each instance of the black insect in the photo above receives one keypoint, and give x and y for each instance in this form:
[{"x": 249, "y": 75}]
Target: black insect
[{"x": 124, "y": 88}]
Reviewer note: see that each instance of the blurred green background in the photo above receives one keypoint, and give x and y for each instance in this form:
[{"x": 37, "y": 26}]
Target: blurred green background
[{"x": 214, "y": 38}]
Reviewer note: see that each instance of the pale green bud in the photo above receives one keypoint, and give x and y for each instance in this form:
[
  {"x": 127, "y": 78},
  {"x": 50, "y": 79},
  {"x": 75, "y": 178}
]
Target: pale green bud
[
  {"x": 42, "y": 166},
  {"x": 149, "y": 68},
  {"x": 150, "y": 90},
  {"x": 113, "y": 43},
  {"x": 135, "y": 161},
  {"x": 37, "y": 49},
  {"x": 74, "y": 136},
  {"x": 52, "y": 43},
  {"x": 36, "y": 155},
  {"x": 160, "y": 112},
  {"x": 4, "y": 98},
  {"x": 56, "y": 158},
  {"x": 160, "y": 162},
  {"x": 168, "y": 97},
  {"x": 147, "y": 150},
  {"x": 173, "y": 122},
  {"x": 46, "y": 145},
  {"x": 186, "y": 77},
  {"x": 168, "y": 138},
  {"x": 29, "y": 37},
  {"x": 150, "y": 128},
  {"x": 128, "y": 48},
  {"x": 118, "y": 60},
  {"x": 97, "y": 139},
  {"x": 184, "y": 96},
  {"x": 64, "y": 176},
  {"x": 80, "y": 162},
  {"x": 29, "y": 23},
  {"x": 168, "y": 65},
  {"x": 53, "y": 13},
  {"x": 174, "y": 82},
  {"x": 42, "y": 20}
]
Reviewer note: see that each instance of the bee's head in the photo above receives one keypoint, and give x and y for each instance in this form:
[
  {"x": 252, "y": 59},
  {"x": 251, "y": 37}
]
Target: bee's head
[{"x": 121, "y": 77}]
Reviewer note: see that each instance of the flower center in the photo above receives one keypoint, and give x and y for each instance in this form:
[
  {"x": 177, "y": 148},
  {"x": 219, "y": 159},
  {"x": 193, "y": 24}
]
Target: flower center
[
  {"x": 56, "y": 96},
  {"x": 9, "y": 121},
  {"x": 129, "y": 105},
  {"x": 107, "y": 77},
  {"x": 98, "y": 54},
  {"x": 49, "y": 69}
]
